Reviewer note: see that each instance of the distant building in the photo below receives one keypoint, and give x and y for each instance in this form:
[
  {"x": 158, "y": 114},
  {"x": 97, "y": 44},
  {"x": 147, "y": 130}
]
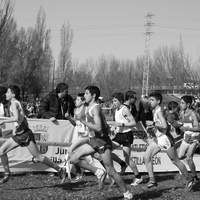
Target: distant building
[{"x": 190, "y": 86}]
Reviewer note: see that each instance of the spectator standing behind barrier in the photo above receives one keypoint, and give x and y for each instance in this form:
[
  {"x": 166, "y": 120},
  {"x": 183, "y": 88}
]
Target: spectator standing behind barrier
[
  {"x": 56, "y": 103},
  {"x": 37, "y": 104}
]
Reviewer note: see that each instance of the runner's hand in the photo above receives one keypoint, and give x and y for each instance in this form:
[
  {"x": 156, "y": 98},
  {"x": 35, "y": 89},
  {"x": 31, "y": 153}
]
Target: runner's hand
[
  {"x": 149, "y": 123},
  {"x": 67, "y": 114}
]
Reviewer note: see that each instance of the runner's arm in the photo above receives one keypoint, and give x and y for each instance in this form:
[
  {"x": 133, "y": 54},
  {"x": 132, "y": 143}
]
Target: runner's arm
[{"x": 163, "y": 123}]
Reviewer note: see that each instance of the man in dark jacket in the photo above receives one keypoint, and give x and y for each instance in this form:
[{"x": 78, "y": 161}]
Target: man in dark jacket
[{"x": 57, "y": 103}]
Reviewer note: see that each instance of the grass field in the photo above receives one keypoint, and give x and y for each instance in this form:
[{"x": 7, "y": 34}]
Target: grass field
[{"x": 44, "y": 186}]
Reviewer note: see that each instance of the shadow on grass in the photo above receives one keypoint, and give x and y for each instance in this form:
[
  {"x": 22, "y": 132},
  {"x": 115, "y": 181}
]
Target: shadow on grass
[
  {"x": 159, "y": 177},
  {"x": 79, "y": 186},
  {"x": 196, "y": 187},
  {"x": 150, "y": 194},
  {"x": 64, "y": 186},
  {"x": 144, "y": 196}
]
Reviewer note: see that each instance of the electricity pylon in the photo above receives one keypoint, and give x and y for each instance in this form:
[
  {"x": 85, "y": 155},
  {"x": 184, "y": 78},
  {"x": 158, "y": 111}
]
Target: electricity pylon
[{"x": 145, "y": 81}]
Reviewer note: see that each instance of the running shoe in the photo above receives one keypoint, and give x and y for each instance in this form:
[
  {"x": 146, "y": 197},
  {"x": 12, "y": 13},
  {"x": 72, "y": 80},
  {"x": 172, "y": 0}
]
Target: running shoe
[
  {"x": 123, "y": 169},
  {"x": 137, "y": 181},
  {"x": 189, "y": 185},
  {"x": 101, "y": 177},
  {"x": 128, "y": 196},
  {"x": 77, "y": 178},
  {"x": 5, "y": 179},
  {"x": 149, "y": 185},
  {"x": 62, "y": 174}
]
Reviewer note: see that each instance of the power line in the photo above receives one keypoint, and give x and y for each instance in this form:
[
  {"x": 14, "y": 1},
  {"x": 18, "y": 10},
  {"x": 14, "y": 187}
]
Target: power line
[
  {"x": 134, "y": 33},
  {"x": 108, "y": 27},
  {"x": 177, "y": 27},
  {"x": 91, "y": 18},
  {"x": 178, "y": 18},
  {"x": 131, "y": 26}
]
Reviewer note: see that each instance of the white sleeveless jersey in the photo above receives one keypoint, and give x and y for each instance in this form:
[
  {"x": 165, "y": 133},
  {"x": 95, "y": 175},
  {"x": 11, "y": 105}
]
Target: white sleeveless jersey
[
  {"x": 156, "y": 119},
  {"x": 89, "y": 118},
  {"x": 104, "y": 126},
  {"x": 121, "y": 119},
  {"x": 80, "y": 126},
  {"x": 155, "y": 115}
]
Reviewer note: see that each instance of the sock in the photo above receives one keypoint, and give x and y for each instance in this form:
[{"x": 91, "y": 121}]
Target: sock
[
  {"x": 152, "y": 179},
  {"x": 78, "y": 169}
]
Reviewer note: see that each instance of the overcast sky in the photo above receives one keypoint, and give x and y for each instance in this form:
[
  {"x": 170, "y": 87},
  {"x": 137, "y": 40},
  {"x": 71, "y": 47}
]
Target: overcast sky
[{"x": 116, "y": 27}]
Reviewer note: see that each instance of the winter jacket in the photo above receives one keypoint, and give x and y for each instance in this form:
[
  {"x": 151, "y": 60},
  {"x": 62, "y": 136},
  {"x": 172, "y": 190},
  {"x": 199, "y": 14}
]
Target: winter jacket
[{"x": 52, "y": 106}]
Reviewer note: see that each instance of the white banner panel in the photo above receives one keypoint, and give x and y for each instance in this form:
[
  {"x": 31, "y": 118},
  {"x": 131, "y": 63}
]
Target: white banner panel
[{"x": 61, "y": 132}]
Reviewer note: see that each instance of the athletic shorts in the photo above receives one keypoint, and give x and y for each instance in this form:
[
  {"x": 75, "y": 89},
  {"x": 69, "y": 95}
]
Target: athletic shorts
[
  {"x": 24, "y": 138},
  {"x": 191, "y": 138},
  {"x": 124, "y": 139},
  {"x": 100, "y": 144},
  {"x": 163, "y": 142},
  {"x": 187, "y": 145}
]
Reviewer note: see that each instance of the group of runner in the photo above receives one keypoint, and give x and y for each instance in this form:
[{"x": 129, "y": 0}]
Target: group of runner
[
  {"x": 160, "y": 124},
  {"x": 96, "y": 135}
]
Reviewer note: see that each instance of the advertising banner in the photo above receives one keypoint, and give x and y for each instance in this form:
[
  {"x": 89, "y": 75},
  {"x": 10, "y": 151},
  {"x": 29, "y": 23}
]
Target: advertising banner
[{"x": 53, "y": 139}]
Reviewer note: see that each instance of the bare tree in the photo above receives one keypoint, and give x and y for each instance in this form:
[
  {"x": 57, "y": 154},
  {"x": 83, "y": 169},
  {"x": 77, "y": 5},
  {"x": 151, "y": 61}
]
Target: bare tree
[
  {"x": 167, "y": 66},
  {"x": 34, "y": 57},
  {"x": 174, "y": 69},
  {"x": 138, "y": 71},
  {"x": 111, "y": 76},
  {"x": 190, "y": 71},
  {"x": 6, "y": 10},
  {"x": 8, "y": 40},
  {"x": 82, "y": 77},
  {"x": 65, "y": 59}
]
